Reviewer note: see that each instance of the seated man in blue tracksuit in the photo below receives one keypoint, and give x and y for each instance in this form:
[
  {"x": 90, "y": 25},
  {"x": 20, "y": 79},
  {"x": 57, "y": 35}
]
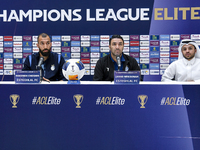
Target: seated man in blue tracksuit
[{"x": 52, "y": 64}]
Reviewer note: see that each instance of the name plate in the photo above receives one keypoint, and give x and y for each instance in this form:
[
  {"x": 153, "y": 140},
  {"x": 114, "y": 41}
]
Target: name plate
[
  {"x": 27, "y": 77},
  {"x": 126, "y": 77}
]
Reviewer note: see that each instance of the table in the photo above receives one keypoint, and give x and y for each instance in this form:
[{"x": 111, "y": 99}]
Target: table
[{"x": 100, "y": 116}]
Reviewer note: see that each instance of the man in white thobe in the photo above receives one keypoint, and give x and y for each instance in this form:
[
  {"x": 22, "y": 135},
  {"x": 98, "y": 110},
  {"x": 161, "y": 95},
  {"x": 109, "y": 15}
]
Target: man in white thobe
[{"x": 187, "y": 67}]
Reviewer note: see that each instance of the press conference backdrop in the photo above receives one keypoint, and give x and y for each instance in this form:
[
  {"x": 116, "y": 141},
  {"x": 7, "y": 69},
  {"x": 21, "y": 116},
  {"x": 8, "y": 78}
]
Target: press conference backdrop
[{"x": 152, "y": 30}]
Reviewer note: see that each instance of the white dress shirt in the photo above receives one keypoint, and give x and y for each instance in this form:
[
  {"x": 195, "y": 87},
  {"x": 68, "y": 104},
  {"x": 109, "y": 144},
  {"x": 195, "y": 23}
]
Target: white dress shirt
[{"x": 183, "y": 70}]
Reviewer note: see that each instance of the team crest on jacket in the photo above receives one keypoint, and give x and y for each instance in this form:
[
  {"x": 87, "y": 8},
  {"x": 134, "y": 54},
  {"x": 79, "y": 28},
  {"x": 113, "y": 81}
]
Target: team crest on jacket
[
  {"x": 52, "y": 67},
  {"x": 126, "y": 69}
]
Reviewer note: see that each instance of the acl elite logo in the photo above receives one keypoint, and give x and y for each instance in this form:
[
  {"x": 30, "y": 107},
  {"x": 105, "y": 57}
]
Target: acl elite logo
[
  {"x": 142, "y": 99},
  {"x": 14, "y": 99},
  {"x": 78, "y": 99}
]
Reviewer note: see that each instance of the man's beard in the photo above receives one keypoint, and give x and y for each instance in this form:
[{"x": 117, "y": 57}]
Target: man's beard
[{"x": 44, "y": 53}]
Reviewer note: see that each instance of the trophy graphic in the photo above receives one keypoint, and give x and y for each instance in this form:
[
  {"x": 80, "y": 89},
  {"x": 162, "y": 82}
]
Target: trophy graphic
[
  {"x": 142, "y": 100},
  {"x": 14, "y": 98},
  {"x": 78, "y": 100}
]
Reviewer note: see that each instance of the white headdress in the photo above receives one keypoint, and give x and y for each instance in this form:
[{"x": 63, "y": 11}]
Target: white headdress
[{"x": 188, "y": 41}]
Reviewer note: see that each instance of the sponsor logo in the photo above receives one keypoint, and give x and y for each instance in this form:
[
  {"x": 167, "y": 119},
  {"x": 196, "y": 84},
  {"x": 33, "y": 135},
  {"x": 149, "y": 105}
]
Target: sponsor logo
[
  {"x": 144, "y": 43},
  {"x": 144, "y": 54},
  {"x": 134, "y": 43},
  {"x": 126, "y": 50},
  {"x": 78, "y": 99},
  {"x": 173, "y": 59},
  {"x": 8, "y": 44},
  {"x": 1, "y": 72},
  {"x": 8, "y": 55},
  {"x": 154, "y": 60},
  {"x": 164, "y": 60},
  {"x": 144, "y": 60},
  {"x": 8, "y": 49},
  {"x": 27, "y": 38},
  {"x": 75, "y": 38},
  {"x": 164, "y": 37},
  {"x": 164, "y": 66},
  {"x": 66, "y": 55},
  {"x": 75, "y": 43},
  {"x": 154, "y": 43},
  {"x": 144, "y": 49},
  {"x": 154, "y": 66},
  {"x": 27, "y": 50},
  {"x": 126, "y": 43},
  {"x": 178, "y": 101},
  {"x": 66, "y": 44},
  {"x": 144, "y": 72},
  {"x": 17, "y": 38},
  {"x": 75, "y": 55},
  {"x": 56, "y": 49},
  {"x": 144, "y": 66},
  {"x": 154, "y": 72},
  {"x": 1, "y": 66},
  {"x": 94, "y": 60},
  {"x": 174, "y": 43},
  {"x": 18, "y": 66},
  {"x": 85, "y": 43},
  {"x": 95, "y": 43},
  {"x": 104, "y": 49},
  {"x": 134, "y": 37},
  {"x": 174, "y": 54},
  {"x": 95, "y": 55},
  {"x": 134, "y": 55},
  {"x": 94, "y": 49},
  {"x": 34, "y": 38},
  {"x": 46, "y": 100},
  {"x": 85, "y": 49},
  {"x": 87, "y": 72},
  {"x": 154, "y": 54},
  {"x": 164, "y": 48},
  {"x": 8, "y": 66},
  {"x": 1, "y": 60},
  {"x": 142, "y": 99},
  {"x": 154, "y": 49},
  {"x": 134, "y": 49},
  {"x": 34, "y": 44},
  {"x": 164, "y": 43},
  {"x": 154, "y": 37},
  {"x": 56, "y": 43},
  {"x": 104, "y": 43},
  {"x": 26, "y": 54},
  {"x": 17, "y": 49},
  {"x": 1, "y": 38},
  {"x": 65, "y": 49},
  {"x": 17, "y": 44},
  {"x": 85, "y": 60},
  {"x": 174, "y": 48},
  {"x": 110, "y": 101},
  {"x": 35, "y": 49},
  {"x": 56, "y": 38},
  {"x": 8, "y": 61},
  {"x": 185, "y": 36},
  {"x": 144, "y": 37},
  {"x": 92, "y": 72},
  {"x": 87, "y": 66},
  {"x": 93, "y": 66},
  {"x": 175, "y": 37},
  {"x": 8, "y": 38},
  {"x": 85, "y": 37},
  {"x": 164, "y": 54},
  {"x": 104, "y": 37},
  {"x": 85, "y": 55},
  {"x": 14, "y": 99},
  {"x": 8, "y": 72},
  {"x": 95, "y": 37},
  {"x": 1, "y": 44},
  {"x": 195, "y": 36},
  {"x": 125, "y": 37},
  {"x": 65, "y": 38},
  {"x": 75, "y": 49},
  {"x": 1, "y": 49},
  {"x": 18, "y": 61}
]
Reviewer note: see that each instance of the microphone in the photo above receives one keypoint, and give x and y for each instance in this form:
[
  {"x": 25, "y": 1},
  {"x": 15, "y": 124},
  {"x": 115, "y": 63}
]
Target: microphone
[
  {"x": 118, "y": 61},
  {"x": 40, "y": 62}
]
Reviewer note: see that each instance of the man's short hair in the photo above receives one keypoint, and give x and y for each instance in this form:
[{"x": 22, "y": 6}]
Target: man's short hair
[
  {"x": 115, "y": 36},
  {"x": 43, "y": 35}
]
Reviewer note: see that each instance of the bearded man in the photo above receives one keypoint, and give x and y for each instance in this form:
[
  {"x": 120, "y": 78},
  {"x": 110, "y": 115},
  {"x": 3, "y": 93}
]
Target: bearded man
[{"x": 52, "y": 62}]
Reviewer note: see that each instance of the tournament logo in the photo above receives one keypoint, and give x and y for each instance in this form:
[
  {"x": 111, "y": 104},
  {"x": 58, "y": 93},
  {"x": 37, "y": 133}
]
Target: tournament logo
[
  {"x": 14, "y": 99},
  {"x": 78, "y": 99},
  {"x": 142, "y": 99}
]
